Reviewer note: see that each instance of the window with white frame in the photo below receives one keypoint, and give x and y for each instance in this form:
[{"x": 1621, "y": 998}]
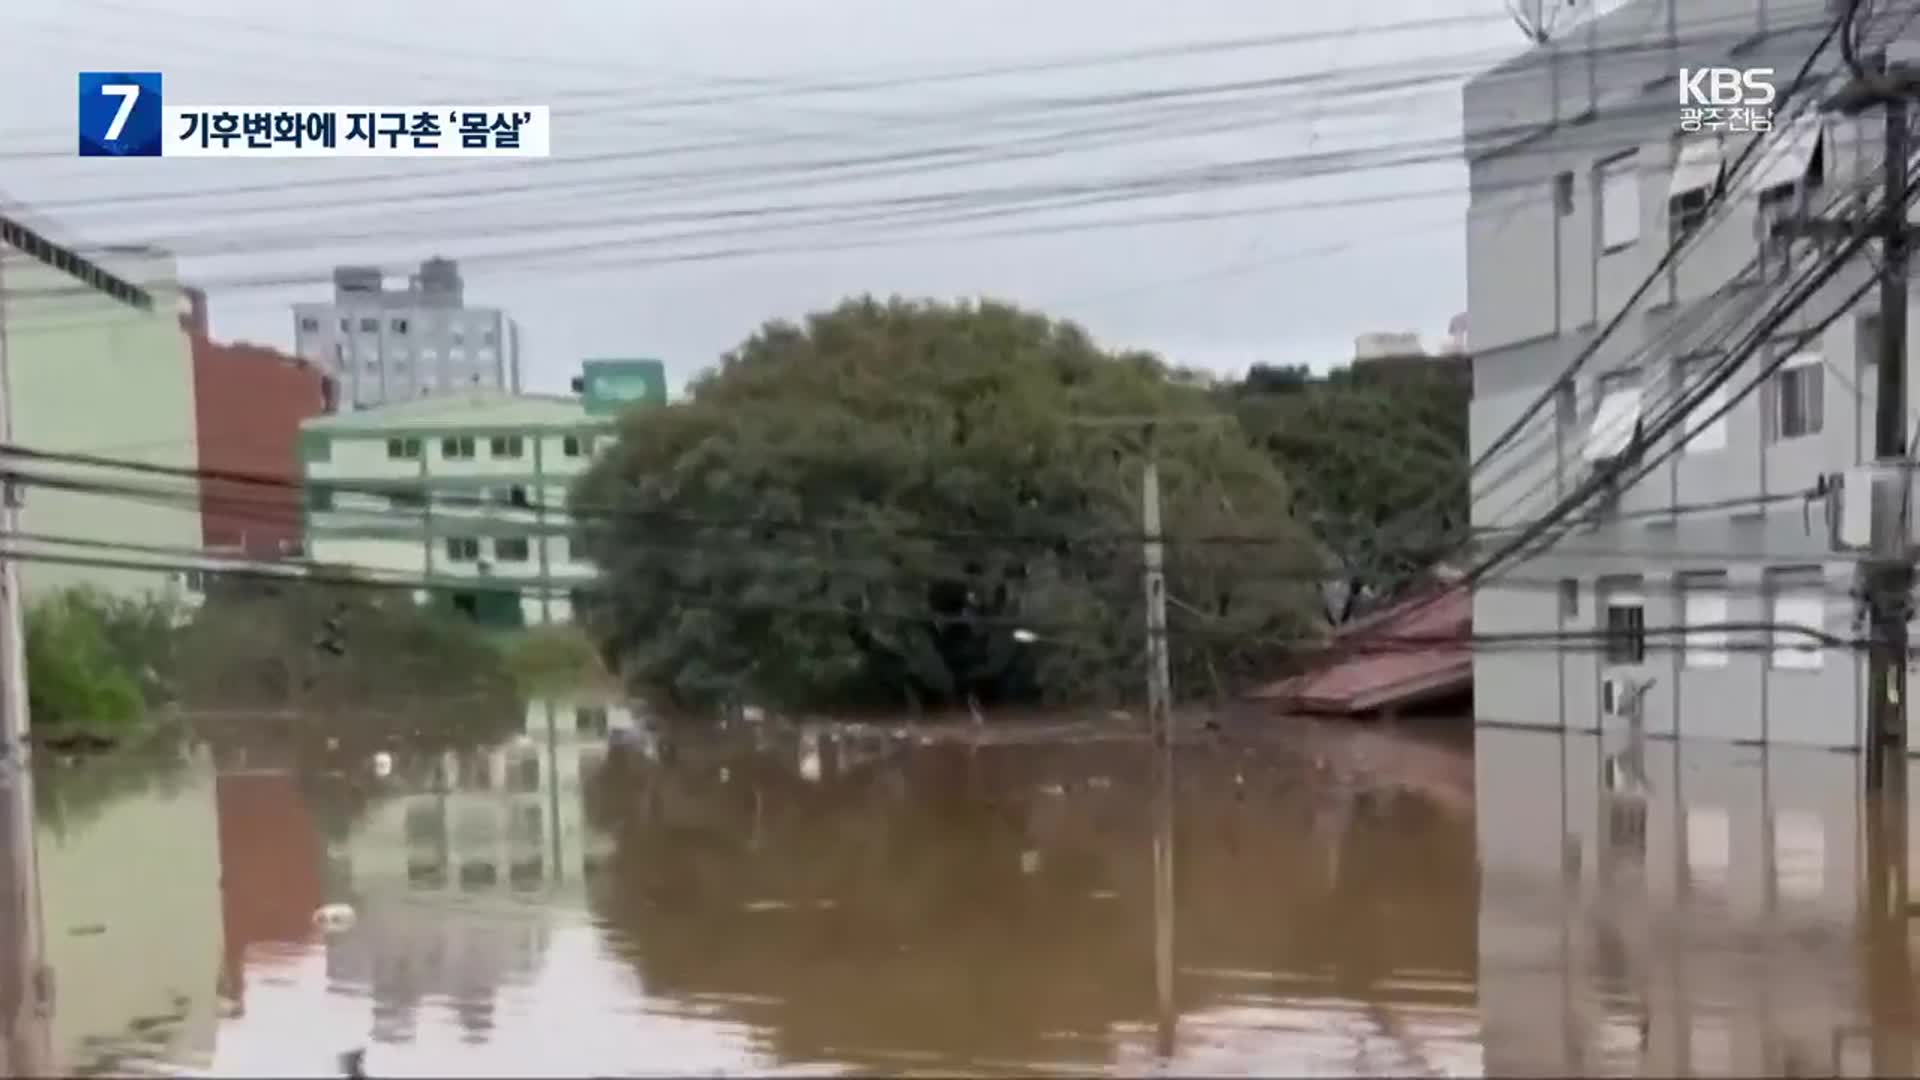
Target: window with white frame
[
  {"x": 1711, "y": 434},
  {"x": 1703, "y": 606},
  {"x": 1616, "y": 415},
  {"x": 1623, "y": 622},
  {"x": 1797, "y": 602},
  {"x": 1697, "y": 173},
  {"x": 1799, "y": 393},
  {"x": 1619, "y": 203},
  {"x": 463, "y": 549}
]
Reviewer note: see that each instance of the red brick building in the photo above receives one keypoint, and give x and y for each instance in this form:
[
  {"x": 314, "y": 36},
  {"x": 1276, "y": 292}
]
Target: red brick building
[{"x": 250, "y": 400}]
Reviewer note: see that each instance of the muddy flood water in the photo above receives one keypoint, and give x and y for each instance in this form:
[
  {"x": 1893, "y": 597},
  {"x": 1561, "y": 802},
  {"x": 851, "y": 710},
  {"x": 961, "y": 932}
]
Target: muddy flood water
[{"x": 600, "y": 895}]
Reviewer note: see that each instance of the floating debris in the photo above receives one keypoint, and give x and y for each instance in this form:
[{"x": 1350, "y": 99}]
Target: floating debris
[
  {"x": 335, "y": 918},
  {"x": 757, "y": 906},
  {"x": 89, "y": 930},
  {"x": 383, "y": 764},
  {"x": 1030, "y": 862}
]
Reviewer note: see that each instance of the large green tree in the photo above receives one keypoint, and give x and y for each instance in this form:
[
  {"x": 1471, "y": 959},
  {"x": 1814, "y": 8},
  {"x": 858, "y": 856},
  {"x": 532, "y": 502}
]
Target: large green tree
[
  {"x": 1377, "y": 453},
  {"x": 863, "y": 509}
]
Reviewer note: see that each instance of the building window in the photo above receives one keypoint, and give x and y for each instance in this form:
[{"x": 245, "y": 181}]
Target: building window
[
  {"x": 1623, "y": 623},
  {"x": 457, "y": 448},
  {"x": 462, "y": 549},
  {"x": 507, "y": 446},
  {"x": 369, "y": 326},
  {"x": 1569, "y": 598},
  {"x": 309, "y": 324},
  {"x": 1798, "y": 397},
  {"x": 523, "y": 775},
  {"x": 1690, "y": 372},
  {"x": 488, "y": 338},
  {"x": 1697, "y": 173},
  {"x": 570, "y": 446},
  {"x": 1703, "y": 604},
  {"x": 1798, "y": 618},
  {"x": 316, "y": 448},
  {"x": 1616, "y": 416},
  {"x": 516, "y": 496},
  {"x": 403, "y": 449},
  {"x": 590, "y": 720},
  {"x": 399, "y": 326},
  {"x": 510, "y": 549},
  {"x": 1563, "y": 194},
  {"x": 346, "y": 326},
  {"x": 1619, "y": 203},
  {"x": 319, "y": 497}
]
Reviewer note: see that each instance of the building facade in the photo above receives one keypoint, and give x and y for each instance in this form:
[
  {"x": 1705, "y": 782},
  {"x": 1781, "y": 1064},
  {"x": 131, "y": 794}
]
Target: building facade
[
  {"x": 1580, "y": 178},
  {"x": 383, "y": 345},
  {"x": 467, "y": 493},
  {"x": 251, "y": 401},
  {"x": 98, "y": 363}
]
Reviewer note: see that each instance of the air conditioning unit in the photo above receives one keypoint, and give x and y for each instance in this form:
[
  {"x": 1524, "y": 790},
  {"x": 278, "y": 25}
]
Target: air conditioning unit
[
  {"x": 1620, "y": 697},
  {"x": 1614, "y": 691}
]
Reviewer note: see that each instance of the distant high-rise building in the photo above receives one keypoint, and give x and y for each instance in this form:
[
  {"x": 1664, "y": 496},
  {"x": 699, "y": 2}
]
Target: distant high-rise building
[
  {"x": 384, "y": 345},
  {"x": 1381, "y": 345}
]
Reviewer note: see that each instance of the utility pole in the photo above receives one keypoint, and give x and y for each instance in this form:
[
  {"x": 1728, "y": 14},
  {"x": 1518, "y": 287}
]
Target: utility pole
[
  {"x": 1159, "y": 678},
  {"x": 13, "y": 658},
  {"x": 1889, "y": 584},
  {"x": 26, "y": 1045}
]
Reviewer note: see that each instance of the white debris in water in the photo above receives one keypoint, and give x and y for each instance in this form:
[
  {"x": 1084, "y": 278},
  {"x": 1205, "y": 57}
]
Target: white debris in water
[
  {"x": 383, "y": 764},
  {"x": 1055, "y": 790},
  {"x": 1103, "y": 894},
  {"x": 1025, "y": 636},
  {"x": 1030, "y": 862},
  {"x": 726, "y": 774},
  {"x": 334, "y": 918},
  {"x": 766, "y": 905}
]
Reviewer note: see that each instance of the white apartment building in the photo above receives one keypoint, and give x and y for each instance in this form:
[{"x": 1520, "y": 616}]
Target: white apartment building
[
  {"x": 386, "y": 345},
  {"x": 466, "y": 494}
]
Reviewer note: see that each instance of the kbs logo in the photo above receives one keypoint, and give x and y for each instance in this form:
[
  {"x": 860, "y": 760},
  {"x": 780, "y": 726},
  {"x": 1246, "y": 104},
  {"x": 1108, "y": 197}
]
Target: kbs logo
[{"x": 1726, "y": 99}]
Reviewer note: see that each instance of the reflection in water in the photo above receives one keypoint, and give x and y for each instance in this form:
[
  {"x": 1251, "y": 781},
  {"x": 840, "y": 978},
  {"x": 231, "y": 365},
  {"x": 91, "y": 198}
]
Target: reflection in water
[
  {"x": 1709, "y": 927},
  {"x": 601, "y": 895}
]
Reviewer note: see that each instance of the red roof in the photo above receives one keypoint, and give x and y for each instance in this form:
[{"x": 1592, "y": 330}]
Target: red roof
[{"x": 1384, "y": 668}]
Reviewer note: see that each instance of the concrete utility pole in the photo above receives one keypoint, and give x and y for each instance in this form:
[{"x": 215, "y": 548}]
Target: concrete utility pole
[
  {"x": 1159, "y": 678},
  {"x": 1889, "y": 580},
  {"x": 13, "y": 659},
  {"x": 26, "y": 1045}
]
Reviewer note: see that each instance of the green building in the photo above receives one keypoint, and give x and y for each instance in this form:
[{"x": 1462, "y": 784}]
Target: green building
[
  {"x": 98, "y": 362},
  {"x": 465, "y": 492}
]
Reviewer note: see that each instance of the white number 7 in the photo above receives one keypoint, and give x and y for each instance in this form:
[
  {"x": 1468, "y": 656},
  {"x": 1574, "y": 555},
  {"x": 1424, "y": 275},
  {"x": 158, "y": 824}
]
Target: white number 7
[{"x": 128, "y": 93}]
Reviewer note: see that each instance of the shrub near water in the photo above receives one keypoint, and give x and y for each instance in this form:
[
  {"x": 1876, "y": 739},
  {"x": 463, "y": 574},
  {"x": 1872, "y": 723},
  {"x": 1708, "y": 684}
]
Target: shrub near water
[{"x": 81, "y": 672}]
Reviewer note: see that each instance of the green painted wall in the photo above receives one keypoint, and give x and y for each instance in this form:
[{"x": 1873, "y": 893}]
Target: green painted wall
[{"x": 91, "y": 374}]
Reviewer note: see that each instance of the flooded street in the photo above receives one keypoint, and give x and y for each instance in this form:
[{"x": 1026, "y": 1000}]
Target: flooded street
[{"x": 595, "y": 896}]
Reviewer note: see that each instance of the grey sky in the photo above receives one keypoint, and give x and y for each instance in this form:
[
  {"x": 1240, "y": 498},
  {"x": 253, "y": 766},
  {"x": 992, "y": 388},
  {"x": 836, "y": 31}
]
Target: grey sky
[{"x": 557, "y": 244}]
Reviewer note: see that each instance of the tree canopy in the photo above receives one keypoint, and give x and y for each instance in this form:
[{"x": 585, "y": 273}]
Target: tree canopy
[
  {"x": 1377, "y": 453},
  {"x": 863, "y": 509}
]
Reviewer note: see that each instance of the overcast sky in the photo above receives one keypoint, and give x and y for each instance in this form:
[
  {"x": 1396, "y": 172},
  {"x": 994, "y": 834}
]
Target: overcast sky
[{"x": 704, "y": 180}]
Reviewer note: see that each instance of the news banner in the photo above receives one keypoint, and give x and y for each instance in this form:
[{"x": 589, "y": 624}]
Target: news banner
[{"x": 125, "y": 114}]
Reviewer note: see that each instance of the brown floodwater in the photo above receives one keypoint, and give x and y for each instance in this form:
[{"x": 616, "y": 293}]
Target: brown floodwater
[{"x": 600, "y": 896}]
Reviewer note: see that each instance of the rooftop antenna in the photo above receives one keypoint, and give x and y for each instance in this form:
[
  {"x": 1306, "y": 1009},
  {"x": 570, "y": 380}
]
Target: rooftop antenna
[{"x": 1540, "y": 19}]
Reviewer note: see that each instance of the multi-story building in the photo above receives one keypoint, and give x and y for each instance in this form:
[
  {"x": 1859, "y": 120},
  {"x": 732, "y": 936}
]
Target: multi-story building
[
  {"x": 1581, "y": 178},
  {"x": 467, "y": 493},
  {"x": 251, "y": 400},
  {"x": 98, "y": 362},
  {"x": 384, "y": 345}
]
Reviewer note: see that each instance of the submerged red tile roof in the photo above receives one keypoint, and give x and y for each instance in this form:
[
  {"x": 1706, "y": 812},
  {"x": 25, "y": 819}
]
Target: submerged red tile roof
[{"x": 1384, "y": 668}]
